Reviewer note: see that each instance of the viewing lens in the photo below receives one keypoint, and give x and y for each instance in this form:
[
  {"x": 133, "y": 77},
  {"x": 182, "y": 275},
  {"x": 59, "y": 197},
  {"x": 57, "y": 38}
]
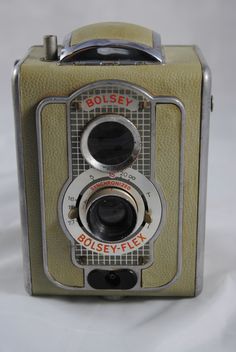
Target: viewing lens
[
  {"x": 111, "y": 143},
  {"x": 111, "y": 218}
]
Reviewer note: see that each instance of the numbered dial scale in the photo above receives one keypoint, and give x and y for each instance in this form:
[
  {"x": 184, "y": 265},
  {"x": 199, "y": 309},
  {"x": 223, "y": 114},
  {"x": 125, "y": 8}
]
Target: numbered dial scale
[{"x": 147, "y": 202}]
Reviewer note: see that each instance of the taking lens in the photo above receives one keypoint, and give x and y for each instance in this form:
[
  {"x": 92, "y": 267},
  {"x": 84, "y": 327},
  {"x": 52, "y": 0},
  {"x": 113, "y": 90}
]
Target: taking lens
[{"x": 111, "y": 218}]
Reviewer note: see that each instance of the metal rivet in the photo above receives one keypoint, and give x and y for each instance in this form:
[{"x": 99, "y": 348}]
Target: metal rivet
[
  {"x": 143, "y": 105},
  {"x": 82, "y": 260},
  {"x": 77, "y": 105},
  {"x": 141, "y": 260}
]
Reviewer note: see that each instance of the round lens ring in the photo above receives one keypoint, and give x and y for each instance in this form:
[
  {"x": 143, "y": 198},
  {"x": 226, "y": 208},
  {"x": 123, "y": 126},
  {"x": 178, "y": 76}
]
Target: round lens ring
[
  {"x": 111, "y": 216},
  {"x": 110, "y": 143}
]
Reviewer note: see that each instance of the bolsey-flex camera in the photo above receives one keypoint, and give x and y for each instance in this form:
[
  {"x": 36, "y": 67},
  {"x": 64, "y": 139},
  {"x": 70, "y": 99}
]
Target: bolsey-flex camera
[{"x": 112, "y": 138}]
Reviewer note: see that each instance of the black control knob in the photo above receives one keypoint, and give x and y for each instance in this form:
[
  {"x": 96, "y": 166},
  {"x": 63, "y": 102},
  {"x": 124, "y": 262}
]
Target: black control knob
[{"x": 123, "y": 279}]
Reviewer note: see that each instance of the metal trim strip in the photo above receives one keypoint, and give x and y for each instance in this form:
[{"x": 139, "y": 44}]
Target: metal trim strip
[
  {"x": 155, "y": 100},
  {"x": 203, "y": 165},
  {"x": 21, "y": 176}
]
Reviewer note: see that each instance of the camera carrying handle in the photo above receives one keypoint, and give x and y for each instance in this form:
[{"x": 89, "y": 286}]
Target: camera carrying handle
[{"x": 112, "y": 42}]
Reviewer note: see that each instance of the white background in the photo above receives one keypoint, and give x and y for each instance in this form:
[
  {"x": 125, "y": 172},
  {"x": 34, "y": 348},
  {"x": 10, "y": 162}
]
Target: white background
[{"x": 206, "y": 323}]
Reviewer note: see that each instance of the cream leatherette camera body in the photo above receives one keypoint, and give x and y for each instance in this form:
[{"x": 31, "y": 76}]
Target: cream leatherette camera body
[{"x": 112, "y": 138}]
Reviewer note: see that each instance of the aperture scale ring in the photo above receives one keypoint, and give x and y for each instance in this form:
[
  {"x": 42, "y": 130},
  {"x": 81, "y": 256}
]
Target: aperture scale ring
[
  {"x": 140, "y": 189},
  {"x": 132, "y": 195}
]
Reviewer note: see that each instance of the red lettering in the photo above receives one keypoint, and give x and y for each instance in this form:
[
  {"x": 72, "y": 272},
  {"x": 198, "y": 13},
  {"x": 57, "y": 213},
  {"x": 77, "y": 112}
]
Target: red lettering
[
  {"x": 113, "y": 248},
  {"x": 81, "y": 238},
  {"x": 112, "y": 174},
  {"x": 93, "y": 245},
  {"x": 87, "y": 242},
  {"x": 135, "y": 241},
  {"x": 89, "y": 102},
  {"x": 105, "y": 99},
  {"x": 123, "y": 246},
  {"x": 108, "y": 99},
  {"x": 130, "y": 246},
  {"x": 110, "y": 183},
  {"x": 121, "y": 99},
  {"x": 99, "y": 247},
  {"x": 106, "y": 248},
  {"x": 112, "y": 98},
  {"x": 141, "y": 237},
  {"x": 97, "y": 100},
  {"x": 128, "y": 101}
]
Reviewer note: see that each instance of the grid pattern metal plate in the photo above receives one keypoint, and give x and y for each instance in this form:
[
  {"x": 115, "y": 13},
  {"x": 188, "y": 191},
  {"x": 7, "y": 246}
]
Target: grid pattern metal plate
[
  {"x": 86, "y": 257},
  {"x": 141, "y": 118}
]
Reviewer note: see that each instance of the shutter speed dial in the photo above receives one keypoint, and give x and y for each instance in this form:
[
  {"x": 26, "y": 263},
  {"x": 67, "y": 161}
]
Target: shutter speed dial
[{"x": 112, "y": 215}]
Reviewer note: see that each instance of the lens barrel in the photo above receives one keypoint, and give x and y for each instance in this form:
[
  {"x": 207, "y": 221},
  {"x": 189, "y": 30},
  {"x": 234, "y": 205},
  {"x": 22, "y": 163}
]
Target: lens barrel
[
  {"x": 110, "y": 143},
  {"x": 111, "y": 215}
]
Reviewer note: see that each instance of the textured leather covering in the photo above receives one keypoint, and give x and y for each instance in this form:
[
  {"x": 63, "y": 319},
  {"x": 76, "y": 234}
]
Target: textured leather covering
[
  {"x": 180, "y": 77},
  {"x": 168, "y": 137},
  {"x": 111, "y": 30},
  {"x": 55, "y": 171}
]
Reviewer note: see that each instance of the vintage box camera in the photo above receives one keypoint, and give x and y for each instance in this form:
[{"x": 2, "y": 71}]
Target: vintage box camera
[{"x": 112, "y": 138}]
